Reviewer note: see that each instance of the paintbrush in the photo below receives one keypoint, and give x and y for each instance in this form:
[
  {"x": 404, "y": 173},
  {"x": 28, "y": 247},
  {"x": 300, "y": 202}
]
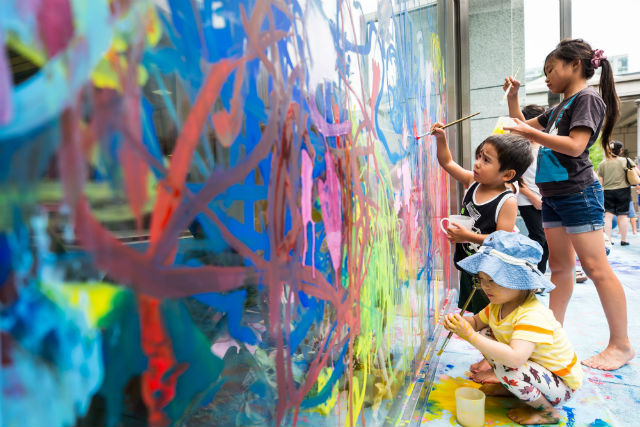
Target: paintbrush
[
  {"x": 462, "y": 310},
  {"x": 450, "y": 124},
  {"x": 506, "y": 92}
]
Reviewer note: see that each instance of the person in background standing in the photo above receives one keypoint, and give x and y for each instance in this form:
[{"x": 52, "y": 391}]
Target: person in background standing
[
  {"x": 634, "y": 209},
  {"x": 529, "y": 198},
  {"x": 612, "y": 174}
]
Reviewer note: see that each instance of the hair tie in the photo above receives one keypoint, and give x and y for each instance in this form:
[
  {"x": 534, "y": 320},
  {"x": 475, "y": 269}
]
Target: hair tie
[{"x": 597, "y": 58}]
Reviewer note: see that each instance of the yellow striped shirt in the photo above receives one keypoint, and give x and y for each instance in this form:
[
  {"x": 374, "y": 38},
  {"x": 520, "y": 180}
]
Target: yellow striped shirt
[{"x": 534, "y": 322}]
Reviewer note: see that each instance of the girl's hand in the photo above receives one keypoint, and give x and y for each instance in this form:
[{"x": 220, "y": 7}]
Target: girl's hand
[
  {"x": 515, "y": 86},
  {"x": 455, "y": 323},
  {"x": 521, "y": 128},
  {"x": 458, "y": 234},
  {"x": 438, "y": 132}
]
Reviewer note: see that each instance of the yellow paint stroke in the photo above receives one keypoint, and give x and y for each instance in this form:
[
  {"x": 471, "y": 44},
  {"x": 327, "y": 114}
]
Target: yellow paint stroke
[
  {"x": 410, "y": 389},
  {"x": 442, "y": 403},
  {"x": 359, "y": 394},
  {"x": 326, "y": 407},
  {"x": 437, "y": 58},
  {"x": 94, "y": 299}
]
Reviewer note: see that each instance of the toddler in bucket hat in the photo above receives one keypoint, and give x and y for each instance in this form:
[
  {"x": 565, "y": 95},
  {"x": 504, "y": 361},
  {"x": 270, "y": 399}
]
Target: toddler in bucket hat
[
  {"x": 518, "y": 335},
  {"x": 510, "y": 259}
]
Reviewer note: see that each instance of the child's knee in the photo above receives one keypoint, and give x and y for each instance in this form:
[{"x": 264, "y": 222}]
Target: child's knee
[{"x": 505, "y": 372}]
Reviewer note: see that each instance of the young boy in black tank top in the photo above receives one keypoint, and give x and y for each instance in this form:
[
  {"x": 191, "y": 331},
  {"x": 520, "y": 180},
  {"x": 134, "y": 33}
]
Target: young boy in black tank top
[{"x": 489, "y": 200}]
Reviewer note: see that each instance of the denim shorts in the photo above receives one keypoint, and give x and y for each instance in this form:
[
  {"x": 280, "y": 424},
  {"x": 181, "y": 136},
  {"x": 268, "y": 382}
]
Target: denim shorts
[{"x": 577, "y": 212}]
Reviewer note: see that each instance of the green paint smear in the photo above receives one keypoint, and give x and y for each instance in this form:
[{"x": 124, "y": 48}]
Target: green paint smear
[{"x": 199, "y": 383}]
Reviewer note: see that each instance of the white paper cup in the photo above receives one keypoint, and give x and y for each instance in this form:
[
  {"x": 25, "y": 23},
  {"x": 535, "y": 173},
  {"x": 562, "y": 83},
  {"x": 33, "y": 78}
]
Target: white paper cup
[
  {"x": 462, "y": 220},
  {"x": 470, "y": 407}
]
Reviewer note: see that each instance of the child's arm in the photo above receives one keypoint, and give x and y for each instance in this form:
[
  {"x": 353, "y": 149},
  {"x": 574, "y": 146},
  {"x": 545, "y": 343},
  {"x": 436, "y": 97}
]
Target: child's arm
[
  {"x": 514, "y": 104},
  {"x": 513, "y": 355},
  {"x": 506, "y": 221},
  {"x": 460, "y": 174},
  {"x": 572, "y": 145},
  {"x": 535, "y": 200}
]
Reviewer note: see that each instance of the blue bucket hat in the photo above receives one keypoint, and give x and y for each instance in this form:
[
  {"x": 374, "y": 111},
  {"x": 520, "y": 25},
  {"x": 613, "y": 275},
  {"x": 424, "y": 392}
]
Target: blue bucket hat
[{"x": 510, "y": 259}]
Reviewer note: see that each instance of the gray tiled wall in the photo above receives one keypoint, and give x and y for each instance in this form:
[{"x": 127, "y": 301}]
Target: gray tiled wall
[{"x": 496, "y": 50}]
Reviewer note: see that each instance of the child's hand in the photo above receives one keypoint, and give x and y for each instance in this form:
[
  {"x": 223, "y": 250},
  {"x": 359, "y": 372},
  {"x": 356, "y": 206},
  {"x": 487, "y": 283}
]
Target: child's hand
[
  {"x": 521, "y": 128},
  {"x": 438, "y": 132},
  {"x": 458, "y": 234},
  {"x": 536, "y": 202},
  {"x": 455, "y": 323},
  {"x": 515, "y": 85}
]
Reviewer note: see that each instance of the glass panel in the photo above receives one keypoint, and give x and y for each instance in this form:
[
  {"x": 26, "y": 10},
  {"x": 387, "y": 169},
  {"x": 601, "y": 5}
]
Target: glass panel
[
  {"x": 496, "y": 50},
  {"x": 218, "y": 213},
  {"x": 541, "y": 35}
]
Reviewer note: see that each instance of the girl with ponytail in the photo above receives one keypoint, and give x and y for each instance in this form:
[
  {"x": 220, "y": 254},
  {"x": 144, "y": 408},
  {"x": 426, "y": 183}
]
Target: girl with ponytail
[{"x": 572, "y": 197}]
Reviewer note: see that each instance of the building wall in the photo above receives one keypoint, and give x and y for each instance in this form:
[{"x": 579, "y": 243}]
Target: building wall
[{"x": 496, "y": 50}]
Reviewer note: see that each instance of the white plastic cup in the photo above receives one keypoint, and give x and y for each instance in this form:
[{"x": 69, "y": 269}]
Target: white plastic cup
[
  {"x": 462, "y": 220},
  {"x": 470, "y": 407},
  {"x": 501, "y": 123}
]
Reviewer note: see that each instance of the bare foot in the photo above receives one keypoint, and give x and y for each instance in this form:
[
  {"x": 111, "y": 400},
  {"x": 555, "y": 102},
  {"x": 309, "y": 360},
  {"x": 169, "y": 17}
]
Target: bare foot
[
  {"x": 610, "y": 359},
  {"x": 485, "y": 377},
  {"x": 480, "y": 366},
  {"x": 527, "y": 415},
  {"x": 495, "y": 390}
]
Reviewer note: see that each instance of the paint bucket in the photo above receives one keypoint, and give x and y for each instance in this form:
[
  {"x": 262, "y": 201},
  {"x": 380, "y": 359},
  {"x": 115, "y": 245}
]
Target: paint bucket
[
  {"x": 501, "y": 123},
  {"x": 462, "y": 220},
  {"x": 470, "y": 406}
]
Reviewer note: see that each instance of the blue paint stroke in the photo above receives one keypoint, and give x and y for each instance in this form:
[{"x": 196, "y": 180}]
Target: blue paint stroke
[
  {"x": 599, "y": 423},
  {"x": 571, "y": 418},
  {"x": 232, "y": 304}
]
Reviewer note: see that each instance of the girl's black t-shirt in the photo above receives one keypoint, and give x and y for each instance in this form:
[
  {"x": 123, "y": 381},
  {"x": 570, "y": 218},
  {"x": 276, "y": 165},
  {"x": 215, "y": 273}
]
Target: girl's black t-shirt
[{"x": 557, "y": 173}]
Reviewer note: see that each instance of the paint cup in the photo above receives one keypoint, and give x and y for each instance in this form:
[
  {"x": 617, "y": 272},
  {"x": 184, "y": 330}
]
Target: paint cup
[
  {"x": 470, "y": 407},
  {"x": 461, "y": 220},
  {"x": 501, "y": 123}
]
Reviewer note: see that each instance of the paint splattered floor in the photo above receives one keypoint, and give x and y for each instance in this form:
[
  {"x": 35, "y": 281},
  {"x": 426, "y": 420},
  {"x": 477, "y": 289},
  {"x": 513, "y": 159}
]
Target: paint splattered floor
[{"x": 606, "y": 398}]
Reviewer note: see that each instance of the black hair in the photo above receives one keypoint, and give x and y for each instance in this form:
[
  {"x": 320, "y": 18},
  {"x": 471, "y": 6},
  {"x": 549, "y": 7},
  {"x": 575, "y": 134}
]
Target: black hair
[
  {"x": 531, "y": 111},
  {"x": 514, "y": 152},
  {"x": 569, "y": 50},
  {"x": 615, "y": 147}
]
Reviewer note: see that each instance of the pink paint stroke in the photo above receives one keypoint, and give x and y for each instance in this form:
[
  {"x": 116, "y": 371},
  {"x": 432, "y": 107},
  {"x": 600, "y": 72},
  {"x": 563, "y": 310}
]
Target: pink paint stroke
[
  {"x": 307, "y": 187},
  {"x": 135, "y": 168},
  {"x": 134, "y": 269},
  {"x": 168, "y": 200},
  {"x": 330, "y": 203},
  {"x": 6, "y": 104},
  {"x": 374, "y": 91},
  {"x": 55, "y": 23}
]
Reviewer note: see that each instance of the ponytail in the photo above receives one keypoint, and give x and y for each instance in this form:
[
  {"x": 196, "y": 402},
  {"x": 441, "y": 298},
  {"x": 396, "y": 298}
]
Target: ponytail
[
  {"x": 610, "y": 98},
  {"x": 568, "y": 51}
]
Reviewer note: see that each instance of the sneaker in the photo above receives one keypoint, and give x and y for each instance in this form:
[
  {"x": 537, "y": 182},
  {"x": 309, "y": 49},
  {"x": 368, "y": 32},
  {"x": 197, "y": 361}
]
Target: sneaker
[
  {"x": 607, "y": 245},
  {"x": 622, "y": 243}
]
